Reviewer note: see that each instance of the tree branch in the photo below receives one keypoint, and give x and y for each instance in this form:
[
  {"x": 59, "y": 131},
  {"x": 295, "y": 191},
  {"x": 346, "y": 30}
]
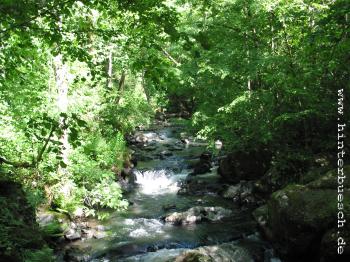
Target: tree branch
[
  {"x": 40, "y": 154},
  {"x": 45, "y": 10},
  {"x": 172, "y": 59},
  {"x": 38, "y": 159},
  {"x": 15, "y": 164}
]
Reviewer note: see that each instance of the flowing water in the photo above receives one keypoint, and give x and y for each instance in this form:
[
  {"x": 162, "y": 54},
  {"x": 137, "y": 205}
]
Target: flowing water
[{"x": 139, "y": 234}]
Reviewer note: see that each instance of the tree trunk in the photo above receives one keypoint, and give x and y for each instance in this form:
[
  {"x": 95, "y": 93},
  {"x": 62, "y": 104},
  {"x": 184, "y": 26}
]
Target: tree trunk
[
  {"x": 249, "y": 87},
  {"x": 120, "y": 87},
  {"x": 144, "y": 87},
  {"x": 109, "y": 70},
  {"x": 61, "y": 77}
]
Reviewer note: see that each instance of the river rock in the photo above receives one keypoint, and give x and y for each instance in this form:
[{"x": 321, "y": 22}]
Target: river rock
[
  {"x": 261, "y": 216},
  {"x": 150, "y": 148},
  {"x": 201, "y": 185},
  {"x": 244, "y": 165},
  {"x": 137, "y": 140},
  {"x": 77, "y": 254},
  {"x": 204, "y": 164},
  {"x": 141, "y": 139},
  {"x": 45, "y": 218},
  {"x": 88, "y": 233},
  {"x": 298, "y": 218},
  {"x": 198, "y": 214},
  {"x": 100, "y": 234},
  {"x": 201, "y": 168},
  {"x": 101, "y": 228},
  {"x": 227, "y": 252},
  {"x": 241, "y": 193},
  {"x": 329, "y": 180},
  {"x": 191, "y": 163},
  {"x": 72, "y": 234},
  {"x": 233, "y": 192}
]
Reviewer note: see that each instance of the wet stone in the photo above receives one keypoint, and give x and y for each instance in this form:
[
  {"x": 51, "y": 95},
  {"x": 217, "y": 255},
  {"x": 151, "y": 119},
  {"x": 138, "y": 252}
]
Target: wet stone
[{"x": 72, "y": 235}]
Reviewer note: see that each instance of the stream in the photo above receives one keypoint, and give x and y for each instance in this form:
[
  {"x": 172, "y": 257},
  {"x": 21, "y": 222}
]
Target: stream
[{"x": 140, "y": 233}]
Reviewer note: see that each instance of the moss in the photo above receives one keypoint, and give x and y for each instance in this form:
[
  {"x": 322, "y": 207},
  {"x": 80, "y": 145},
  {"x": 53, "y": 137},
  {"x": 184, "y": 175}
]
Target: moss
[
  {"x": 312, "y": 175},
  {"x": 330, "y": 180},
  {"x": 53, "y": 229},
  {"x": 299, "y": 215},
  {"x": 260, "y": 213}
]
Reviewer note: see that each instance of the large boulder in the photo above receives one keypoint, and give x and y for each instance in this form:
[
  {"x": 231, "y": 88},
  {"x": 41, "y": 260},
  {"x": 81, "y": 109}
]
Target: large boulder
[
  {"x": 329, "y": 180},
  {"x": 300, "y": 219},
  {"x": 244, "y": 165},
  {"x": 298, "y": 216}
]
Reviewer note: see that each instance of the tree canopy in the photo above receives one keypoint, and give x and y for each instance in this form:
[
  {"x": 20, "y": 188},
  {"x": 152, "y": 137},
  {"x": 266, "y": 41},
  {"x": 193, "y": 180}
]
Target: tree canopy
[{"x": 76, "y": 77}]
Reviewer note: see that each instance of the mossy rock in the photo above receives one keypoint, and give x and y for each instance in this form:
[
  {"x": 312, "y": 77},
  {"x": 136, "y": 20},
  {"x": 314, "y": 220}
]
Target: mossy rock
[
  {"x": 241, "y": 165},
  {"x": 261, "y": 214},
  {"x": 312, "y": 175},
  {"x": 330, "y": 180},
  {"x": 298, "y": 217},
  {"x": 230, "y": 252},
  {"x": 193, "y": 256},
  {"x": 52, "y": 224}
]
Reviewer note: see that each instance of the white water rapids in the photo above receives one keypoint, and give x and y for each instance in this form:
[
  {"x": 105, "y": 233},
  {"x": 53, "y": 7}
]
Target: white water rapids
[{"x": 158, "y": 181}]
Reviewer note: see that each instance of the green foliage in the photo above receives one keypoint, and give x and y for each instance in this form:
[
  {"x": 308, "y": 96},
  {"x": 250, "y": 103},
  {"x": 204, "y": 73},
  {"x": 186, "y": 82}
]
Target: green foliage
[
  {"x": 44, "y": 254},
  {"x": 53, "y": 229},
  {"x": 35, "y": 196},
  {"x": 91, "y": 185},
  {"x": 103, "y": 195},
  {"x": 108, "y": 194},
  {"x": 93, "y": 161},
  {"x": 264, "y": 74},
  {"x": 132, "y": 110}
]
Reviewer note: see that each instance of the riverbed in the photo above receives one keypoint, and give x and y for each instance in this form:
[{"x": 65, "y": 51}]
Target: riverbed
[{"x": 165, "y": 153}]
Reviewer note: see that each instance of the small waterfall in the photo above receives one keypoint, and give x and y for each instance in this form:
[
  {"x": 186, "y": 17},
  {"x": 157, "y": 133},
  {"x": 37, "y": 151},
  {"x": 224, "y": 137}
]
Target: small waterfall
[{"x": 156, "y": 181}]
